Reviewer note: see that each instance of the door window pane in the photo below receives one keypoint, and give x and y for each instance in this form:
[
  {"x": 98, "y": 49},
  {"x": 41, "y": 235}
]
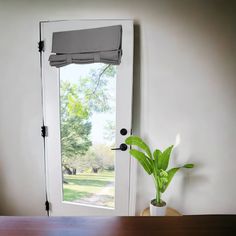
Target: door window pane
[{"x": 88, "y": 118}]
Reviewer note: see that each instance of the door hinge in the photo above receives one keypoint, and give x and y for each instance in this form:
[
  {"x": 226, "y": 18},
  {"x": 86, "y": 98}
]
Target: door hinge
[
  {"x": 44, "y": 131},
  {"x": 47, "y": 206},
  {"x": 41, "y": 46}
]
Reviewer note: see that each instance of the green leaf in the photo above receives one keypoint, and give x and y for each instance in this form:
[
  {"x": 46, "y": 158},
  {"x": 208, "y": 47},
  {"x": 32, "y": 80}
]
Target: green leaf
[
  {"x": 159, "y": 161},
  {"x": 171, "y": 174},
  {"x": 188, "y": 166},
  {"x": 143, "y": 160},
  {"x": 166, "y": 157},
  {"x": 156, "y": 154},
  {"x": 137, "y": 141},
  {"x": 163, "y": 173}
]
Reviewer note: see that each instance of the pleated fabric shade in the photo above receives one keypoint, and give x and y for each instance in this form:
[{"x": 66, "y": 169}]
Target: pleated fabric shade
[{"x": 98, "y": 45}]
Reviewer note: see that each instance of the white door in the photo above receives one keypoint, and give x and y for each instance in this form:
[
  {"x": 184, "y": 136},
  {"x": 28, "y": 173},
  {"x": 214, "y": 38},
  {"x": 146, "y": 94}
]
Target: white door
[{"x": 85, "y": 109}]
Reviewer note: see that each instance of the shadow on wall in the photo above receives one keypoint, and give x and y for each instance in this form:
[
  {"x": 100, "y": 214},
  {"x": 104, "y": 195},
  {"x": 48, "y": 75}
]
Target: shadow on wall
[
  {"x": 3, "y": 198},
  {"x": 205, "y": 19},
  {"x": 136, "y": 82},
  {"x": 192, "y": 180}
]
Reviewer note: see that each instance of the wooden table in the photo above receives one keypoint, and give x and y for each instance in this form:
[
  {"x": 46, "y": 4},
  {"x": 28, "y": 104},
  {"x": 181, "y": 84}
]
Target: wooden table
[{"x": 224, "y": 225}]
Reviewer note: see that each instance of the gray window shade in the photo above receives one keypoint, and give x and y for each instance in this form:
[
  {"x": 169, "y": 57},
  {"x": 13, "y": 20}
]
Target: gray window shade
[{"x": 87, "y": 46}]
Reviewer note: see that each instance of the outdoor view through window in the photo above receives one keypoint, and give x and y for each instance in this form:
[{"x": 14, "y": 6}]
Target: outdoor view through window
[{"x": 88, "y": 118}]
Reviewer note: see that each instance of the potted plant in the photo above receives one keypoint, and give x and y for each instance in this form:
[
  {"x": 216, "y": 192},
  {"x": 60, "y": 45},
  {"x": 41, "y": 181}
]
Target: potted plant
[{"x": 155, "y": 164}]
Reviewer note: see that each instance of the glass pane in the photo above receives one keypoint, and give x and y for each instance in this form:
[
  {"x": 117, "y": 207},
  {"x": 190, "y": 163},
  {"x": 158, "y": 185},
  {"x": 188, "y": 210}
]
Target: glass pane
[{"x": 88, "y": 118}]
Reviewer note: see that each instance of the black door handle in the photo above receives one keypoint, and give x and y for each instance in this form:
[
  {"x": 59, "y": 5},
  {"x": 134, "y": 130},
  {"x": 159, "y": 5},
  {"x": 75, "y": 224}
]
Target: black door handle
[{"x": 123, "y": 147}]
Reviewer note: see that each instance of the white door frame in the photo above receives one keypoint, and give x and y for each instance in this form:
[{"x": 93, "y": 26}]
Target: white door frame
[{"x": 52, "y": 139}]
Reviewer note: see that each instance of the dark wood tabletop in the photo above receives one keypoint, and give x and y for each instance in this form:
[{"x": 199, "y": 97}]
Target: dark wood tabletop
[{"x": 118, "y": 226}]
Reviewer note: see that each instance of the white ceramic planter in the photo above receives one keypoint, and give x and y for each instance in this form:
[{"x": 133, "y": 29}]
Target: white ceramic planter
[{"x": 156, "y": 210}]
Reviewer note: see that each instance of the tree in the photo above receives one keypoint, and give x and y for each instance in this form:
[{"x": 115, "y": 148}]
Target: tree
[
  {"x": 78, "y": 102},
  {"x": 99, "y": 157}
]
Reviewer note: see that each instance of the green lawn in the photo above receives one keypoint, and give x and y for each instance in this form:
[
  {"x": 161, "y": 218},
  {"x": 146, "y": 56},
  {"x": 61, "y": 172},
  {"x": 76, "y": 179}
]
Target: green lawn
[{"x": 95, "y": 189}]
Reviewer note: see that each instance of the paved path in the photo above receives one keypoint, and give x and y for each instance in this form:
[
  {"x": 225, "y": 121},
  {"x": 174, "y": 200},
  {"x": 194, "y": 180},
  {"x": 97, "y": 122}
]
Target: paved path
[{"x": 100, "y": 198}]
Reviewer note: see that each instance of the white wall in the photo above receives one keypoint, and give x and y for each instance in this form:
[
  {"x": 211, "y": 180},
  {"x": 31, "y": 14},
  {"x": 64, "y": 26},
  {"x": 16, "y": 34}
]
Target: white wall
[{"x": 184, "y": 83}]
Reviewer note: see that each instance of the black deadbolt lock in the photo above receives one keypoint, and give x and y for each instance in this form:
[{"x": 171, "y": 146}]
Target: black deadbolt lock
[{"x": 123, "y": 131}]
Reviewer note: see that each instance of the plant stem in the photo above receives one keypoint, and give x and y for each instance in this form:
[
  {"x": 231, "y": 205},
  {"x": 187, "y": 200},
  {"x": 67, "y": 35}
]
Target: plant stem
[
  {"x": 158, "y": 193},
  {"x": 158, "y": 196},
  {"x": 156, "y": 181}
]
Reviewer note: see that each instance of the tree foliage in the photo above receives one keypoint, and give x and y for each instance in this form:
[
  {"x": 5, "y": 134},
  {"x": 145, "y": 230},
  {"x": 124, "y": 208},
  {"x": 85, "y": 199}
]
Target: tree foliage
[{"x": 78, "y": 101}]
